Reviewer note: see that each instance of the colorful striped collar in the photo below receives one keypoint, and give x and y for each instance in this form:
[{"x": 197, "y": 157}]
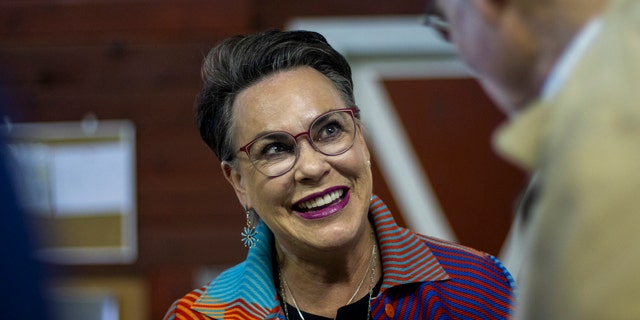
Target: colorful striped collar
[{"x": 247, "y": 290}]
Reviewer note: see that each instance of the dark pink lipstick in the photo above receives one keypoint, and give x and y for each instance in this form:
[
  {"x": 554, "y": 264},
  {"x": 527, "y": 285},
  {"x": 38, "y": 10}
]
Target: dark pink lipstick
[{"x": 308, "y": 209}]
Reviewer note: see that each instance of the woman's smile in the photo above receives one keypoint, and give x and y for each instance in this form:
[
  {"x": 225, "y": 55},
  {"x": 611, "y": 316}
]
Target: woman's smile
[{"x": 322, "y": 205}]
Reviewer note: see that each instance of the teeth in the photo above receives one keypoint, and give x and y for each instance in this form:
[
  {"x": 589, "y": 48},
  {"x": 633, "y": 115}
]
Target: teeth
[{"x": 321, "y": 201}]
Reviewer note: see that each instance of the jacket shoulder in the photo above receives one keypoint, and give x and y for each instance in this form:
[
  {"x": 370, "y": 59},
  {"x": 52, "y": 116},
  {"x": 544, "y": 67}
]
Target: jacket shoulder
[
  {"x": 459, "y": 259},
  {"x": 181, "y": 308}
]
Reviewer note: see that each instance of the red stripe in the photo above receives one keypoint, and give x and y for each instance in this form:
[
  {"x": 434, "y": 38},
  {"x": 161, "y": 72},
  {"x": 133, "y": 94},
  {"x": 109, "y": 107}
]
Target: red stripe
[
  {"x": 454, "y": 297},
  {"x": 481, "y": 275}
]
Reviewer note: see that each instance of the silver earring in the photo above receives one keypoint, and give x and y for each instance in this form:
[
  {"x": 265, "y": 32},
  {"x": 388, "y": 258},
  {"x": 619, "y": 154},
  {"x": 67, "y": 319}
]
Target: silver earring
[
  {"x": 249, "y": 232},
  {"x": 369, "y": 163}
]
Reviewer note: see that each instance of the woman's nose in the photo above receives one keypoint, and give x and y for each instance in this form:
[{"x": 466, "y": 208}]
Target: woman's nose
[{"x": 311, "y": 163}]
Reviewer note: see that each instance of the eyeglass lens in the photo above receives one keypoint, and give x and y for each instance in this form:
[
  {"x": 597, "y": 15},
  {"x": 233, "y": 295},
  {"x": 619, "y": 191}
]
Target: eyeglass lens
[{"x": 276, "y": 153}]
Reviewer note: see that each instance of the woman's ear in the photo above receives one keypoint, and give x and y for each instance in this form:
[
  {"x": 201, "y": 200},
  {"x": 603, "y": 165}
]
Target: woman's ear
[
  {"x": 237, "y": 181},
  {"x": 362, "y": 138},
  {"x": 365, "y": 147}
]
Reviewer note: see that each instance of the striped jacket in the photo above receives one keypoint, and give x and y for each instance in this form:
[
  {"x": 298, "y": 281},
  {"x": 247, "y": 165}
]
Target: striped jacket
[{"x": 423, "y": 278}]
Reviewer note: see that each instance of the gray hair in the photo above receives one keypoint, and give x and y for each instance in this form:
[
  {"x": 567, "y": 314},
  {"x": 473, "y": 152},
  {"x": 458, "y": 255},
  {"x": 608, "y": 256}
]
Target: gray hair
[{"x": 241, "y": 61}]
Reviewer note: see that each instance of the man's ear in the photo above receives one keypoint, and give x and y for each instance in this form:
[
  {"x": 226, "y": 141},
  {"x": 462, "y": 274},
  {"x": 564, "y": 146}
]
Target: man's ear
[{"x": 236, "y": 180}]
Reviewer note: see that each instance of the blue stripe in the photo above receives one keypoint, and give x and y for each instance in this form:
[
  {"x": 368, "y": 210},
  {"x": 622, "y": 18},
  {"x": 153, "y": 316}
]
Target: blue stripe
[
  {"x": 477, "y": 302},
  {"x": 401, "y": 253},
  {"x": 376, "y": 201},
  {"x": 437, "y": 306},
  {"x": 478, "y": 296},
  {"x": 494, "y": 273},
  {"x": 397, "y": 238}
]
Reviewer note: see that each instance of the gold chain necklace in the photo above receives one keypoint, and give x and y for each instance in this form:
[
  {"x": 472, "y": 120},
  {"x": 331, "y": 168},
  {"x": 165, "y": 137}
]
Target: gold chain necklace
[{"x": 372, "y": 266}]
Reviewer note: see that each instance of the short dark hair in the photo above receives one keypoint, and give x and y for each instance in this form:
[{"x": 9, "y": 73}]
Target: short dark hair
[{"x": 241, "y": 61}]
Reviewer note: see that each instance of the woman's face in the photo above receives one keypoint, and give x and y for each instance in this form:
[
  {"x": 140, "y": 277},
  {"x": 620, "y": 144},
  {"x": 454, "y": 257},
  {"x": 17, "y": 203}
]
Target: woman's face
[{"x": 289, "y": 101}]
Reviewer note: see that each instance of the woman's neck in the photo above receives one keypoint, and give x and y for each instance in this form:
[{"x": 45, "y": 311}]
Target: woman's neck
[{"x": 322, "y": 282}]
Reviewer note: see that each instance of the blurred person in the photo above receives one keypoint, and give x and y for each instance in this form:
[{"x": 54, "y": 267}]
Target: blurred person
[
  {"x": 22, "y": 277},
  {"x": 277, "y": 108},
  {"x": 567, "y": 73}
]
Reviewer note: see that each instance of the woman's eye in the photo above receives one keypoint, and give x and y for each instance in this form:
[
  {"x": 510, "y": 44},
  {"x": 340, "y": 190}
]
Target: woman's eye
[
  {"x": 276, "y": 148},
  {"x": 329, "y": 131}
]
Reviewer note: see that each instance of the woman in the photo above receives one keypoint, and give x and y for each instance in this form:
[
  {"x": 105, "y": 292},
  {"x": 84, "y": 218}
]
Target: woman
[{"x": 278, "y": 109}]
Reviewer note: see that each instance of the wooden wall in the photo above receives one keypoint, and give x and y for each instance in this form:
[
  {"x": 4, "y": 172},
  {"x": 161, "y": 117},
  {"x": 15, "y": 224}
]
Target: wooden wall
[{"x": 140, "y": 60}]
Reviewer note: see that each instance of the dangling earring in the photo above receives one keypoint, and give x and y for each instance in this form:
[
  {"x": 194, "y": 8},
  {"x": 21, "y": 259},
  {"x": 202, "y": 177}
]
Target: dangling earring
[{"x": 249, "y": 233}]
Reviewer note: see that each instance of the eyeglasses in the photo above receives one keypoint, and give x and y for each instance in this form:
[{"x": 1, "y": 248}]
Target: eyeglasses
[
  {"x": 275, "y": 153},
  {"x": 433, "y": 18}
]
